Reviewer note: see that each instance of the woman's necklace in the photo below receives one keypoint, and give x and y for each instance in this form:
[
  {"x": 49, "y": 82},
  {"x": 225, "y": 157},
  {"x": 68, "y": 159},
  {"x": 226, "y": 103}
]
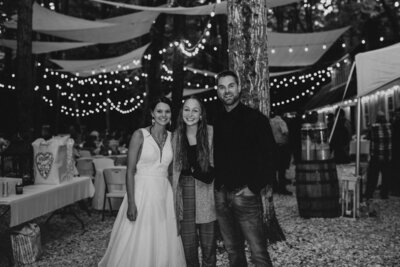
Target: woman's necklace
[{"x": 159, "y": 142}]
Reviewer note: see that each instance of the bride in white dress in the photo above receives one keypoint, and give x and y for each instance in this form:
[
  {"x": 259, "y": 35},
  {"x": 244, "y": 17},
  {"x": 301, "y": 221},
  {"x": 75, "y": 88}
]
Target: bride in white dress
[{"x": 145, "y": 230}]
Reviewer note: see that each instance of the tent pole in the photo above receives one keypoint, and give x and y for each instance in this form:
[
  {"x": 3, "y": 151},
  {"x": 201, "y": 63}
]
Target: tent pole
[
  {"x": 358, "y": 141},
  {"x": 340, "y": 105}
]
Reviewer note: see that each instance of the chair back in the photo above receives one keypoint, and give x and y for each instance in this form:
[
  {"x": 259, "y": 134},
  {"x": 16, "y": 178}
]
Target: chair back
[
  {"x": 85, "y": 166},
  {"x": 121, "y": 160},
  {"x": 114, "y": 179},
  {"x": 102, "y": 163},
  {"x": 85, "y": 153}
]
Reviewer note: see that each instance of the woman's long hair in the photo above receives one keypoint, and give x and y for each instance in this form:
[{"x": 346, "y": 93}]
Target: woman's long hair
[{"x": 202, "y": 148}]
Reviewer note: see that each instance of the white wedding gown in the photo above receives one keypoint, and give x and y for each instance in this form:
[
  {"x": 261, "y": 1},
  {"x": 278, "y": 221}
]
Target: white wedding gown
[{"x": 151, "y": 240}]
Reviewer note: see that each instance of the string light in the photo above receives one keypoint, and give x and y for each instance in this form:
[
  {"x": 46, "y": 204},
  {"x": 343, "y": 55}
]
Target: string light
[
  {"x": 101, "y": 106},
  {"x": 186, "y": 47}
]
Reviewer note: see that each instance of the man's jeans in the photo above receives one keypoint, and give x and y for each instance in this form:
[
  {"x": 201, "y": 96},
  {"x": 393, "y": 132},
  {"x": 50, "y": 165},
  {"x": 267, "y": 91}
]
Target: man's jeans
[{"x": 239, "y": 218}]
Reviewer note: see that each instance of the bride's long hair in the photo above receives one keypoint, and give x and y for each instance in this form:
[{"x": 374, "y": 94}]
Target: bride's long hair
[{"x": 202, "y": 148}]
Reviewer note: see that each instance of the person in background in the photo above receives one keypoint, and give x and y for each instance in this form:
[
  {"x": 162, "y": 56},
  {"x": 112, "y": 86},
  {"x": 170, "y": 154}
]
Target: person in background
[
  {"x": 380, "y": 135},
  {"x": 395, "y": 185},
  {"x": 90, "y": 145},
  {"x": 312, "y": 117},
  {"x": 114, "y": 141},
  {"x": 4, "y": 143},
  {"x": 106, "y": 149},
  {"x": 145, "y": 232},
  {"x": 244, "y": 148},
  {"x": 330, "y": 118},
  {"x": 340, "y": 142},
  {"x": 193, "y": 180},
  {"x": 46, "y": 132},
  {"x": 281, "y": 135},
  {"x": 295, "y": 136}
]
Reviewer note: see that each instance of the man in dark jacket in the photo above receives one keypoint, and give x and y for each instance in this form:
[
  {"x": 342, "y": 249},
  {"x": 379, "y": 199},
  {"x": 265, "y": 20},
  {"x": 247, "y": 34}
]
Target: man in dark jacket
[{"x": 243, "y": 156}]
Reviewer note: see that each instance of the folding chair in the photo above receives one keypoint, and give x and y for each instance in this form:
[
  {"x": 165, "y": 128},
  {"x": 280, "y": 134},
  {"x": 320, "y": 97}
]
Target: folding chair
[
  {"x": 114, "y": 179},
  {"x": 85, "y": 153},
  {"x": 121, "y": 160},
  {"x": 101, "y": 163},
  {"x": 85, "y": 167}
]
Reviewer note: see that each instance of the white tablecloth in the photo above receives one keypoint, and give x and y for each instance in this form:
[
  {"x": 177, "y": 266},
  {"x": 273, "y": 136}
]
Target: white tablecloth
[
  {"x": 38, "y": 200},
  {"x": 98, "y": 199}
]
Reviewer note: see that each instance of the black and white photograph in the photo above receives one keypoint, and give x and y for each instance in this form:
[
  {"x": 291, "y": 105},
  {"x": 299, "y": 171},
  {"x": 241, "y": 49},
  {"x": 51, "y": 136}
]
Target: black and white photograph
[{"x": 200, "y": 133}]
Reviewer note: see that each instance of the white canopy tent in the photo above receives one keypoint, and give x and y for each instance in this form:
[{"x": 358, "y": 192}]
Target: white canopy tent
[{"x": 375, "y": 69}]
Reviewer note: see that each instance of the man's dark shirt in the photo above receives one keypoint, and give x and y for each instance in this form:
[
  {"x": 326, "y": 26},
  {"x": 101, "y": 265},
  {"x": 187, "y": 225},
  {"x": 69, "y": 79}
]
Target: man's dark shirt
[{"x": 243, "y": 149}]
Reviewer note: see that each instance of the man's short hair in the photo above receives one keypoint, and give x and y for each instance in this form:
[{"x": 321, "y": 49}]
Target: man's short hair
[{"x": 226, "y": 73}]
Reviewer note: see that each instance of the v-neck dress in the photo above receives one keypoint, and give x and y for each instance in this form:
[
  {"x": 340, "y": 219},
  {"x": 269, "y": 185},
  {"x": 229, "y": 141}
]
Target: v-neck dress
[{"x": 151, "y": 240}]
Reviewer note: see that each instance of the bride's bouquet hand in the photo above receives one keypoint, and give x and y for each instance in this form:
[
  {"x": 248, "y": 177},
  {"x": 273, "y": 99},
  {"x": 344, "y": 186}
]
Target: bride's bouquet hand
[{"x": 131, "y": 213}]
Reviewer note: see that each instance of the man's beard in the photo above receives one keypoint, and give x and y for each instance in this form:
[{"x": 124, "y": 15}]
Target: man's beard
[{"x": 231, "y": 101}]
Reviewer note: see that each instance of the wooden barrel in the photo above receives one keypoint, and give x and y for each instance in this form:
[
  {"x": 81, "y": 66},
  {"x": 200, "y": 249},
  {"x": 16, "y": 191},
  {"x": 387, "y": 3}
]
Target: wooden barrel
[{"x": 317, "y": 189}]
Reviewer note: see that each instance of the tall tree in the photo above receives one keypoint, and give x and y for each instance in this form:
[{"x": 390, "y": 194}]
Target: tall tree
[
  {"x": 177, "y": 62},
  {"x": 247, "y": 30},
  {"x": 24, "y": 66},
  {"x": 248, "y": 55},
  {"x": 153, "y": 66}
]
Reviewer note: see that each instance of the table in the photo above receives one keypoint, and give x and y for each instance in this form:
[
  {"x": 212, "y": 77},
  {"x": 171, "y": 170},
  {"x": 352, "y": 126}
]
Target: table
[
  {"x": 118, "y": 159},
  {"x": 100, "y": 187},
  {"x": 40, "y": 199}
]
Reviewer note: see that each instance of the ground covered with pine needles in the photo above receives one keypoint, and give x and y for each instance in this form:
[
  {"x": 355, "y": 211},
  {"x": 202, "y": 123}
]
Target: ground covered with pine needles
[{"x": 367, "y": 241}]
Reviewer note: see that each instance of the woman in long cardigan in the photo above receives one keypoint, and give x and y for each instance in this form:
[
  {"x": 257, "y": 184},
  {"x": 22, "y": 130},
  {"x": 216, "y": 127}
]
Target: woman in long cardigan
[{"x": 193, "y": 183}]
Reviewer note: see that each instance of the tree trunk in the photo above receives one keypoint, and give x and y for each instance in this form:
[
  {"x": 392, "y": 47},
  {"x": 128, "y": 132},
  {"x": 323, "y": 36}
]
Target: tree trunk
[
  {"x": 308, "y": 17},
  {"x": 24, "y": 67},
  {"x": 223, "y": 57},
  {"x": 248, "y": 54},
  {"x": 248, "y": 57},
  {"x": 177, "y": 63},
  {"x": 393, "y": 20},
  {"x": 153, "y": 66},
  {"x": 177, "y": 68}
]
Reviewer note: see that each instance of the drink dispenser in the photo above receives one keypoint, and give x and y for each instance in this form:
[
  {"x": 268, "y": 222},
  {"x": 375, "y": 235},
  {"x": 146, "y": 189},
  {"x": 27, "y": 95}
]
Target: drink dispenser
[
  {"x": 322, "y": 149},
  {"x": 307, "y": 142}
]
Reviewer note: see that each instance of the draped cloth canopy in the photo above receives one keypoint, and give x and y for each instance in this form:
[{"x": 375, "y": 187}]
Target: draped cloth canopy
[
  {"x": 285, "y": 49},
  {"x": 112, "y": 30},
  {"x": 189, "y": 92},
  {"x": 131, "y": 60},
  {"x": 271, "y": 74},
  {"x": 289, "y": 49},
  {"x": 45, "y": 47},
  {"x": 377, "y": 68},
  {"x": 220, "y": 8}
]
